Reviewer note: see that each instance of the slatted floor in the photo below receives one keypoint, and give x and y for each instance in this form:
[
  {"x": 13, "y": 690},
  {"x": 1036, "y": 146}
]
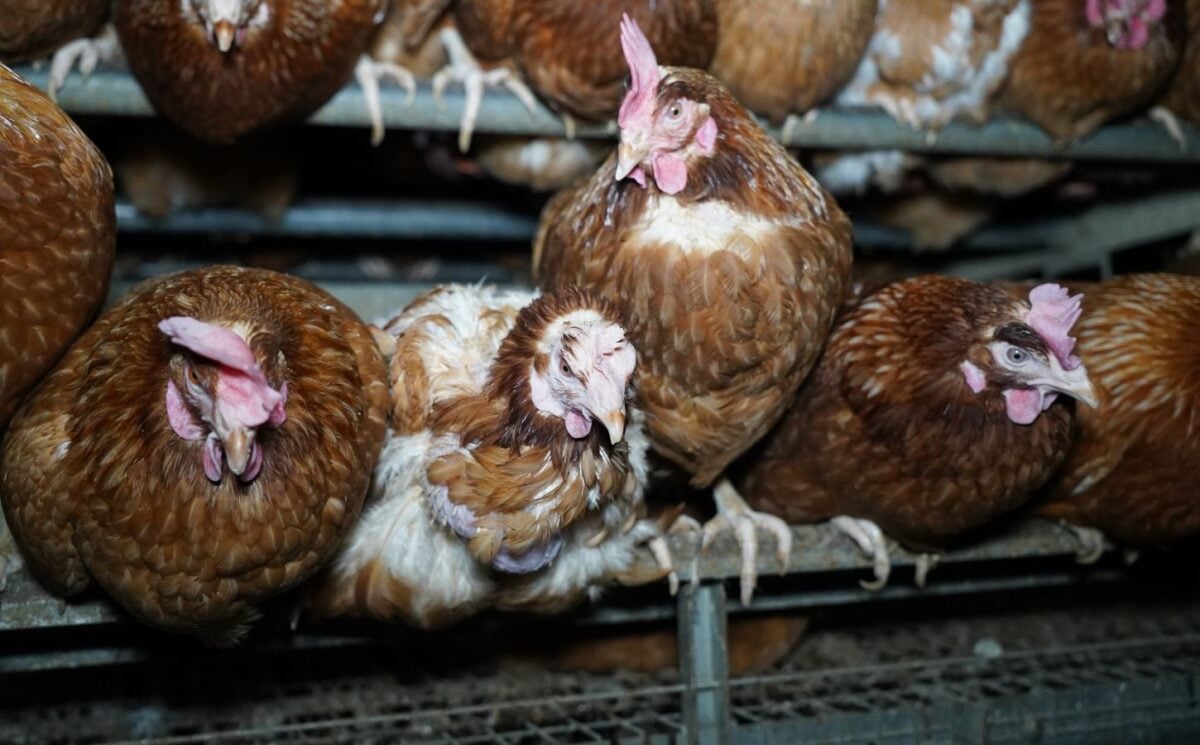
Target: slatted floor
[{"x": 1029, "y": 676}]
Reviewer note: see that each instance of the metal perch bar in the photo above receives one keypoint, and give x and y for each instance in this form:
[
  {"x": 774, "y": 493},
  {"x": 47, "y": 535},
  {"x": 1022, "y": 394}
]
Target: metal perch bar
[{"x": 118, "y": 94}]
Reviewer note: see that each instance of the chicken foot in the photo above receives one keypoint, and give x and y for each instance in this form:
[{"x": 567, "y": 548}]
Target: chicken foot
[
  {"x": 1091, "y": 543},
  {"x": 870, "y": 540},
  {"x": 735, "y": 515},
  {"x": 465, "y": 69},
  {"x": 370, "y": 72},
  {"x": 88, "y": 52}
]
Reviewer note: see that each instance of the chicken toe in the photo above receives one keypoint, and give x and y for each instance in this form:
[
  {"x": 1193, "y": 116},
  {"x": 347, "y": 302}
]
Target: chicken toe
[
  {"x": 1091, "y": 543},
  {"x": 369, "y": 73},
  {"x": 465, "y": 69},
  {"x": 871, "y": 542},
  {"x": 87, "y": 52},
  {"x": 925, "y": 562},
  {"x": 1170, "y": 122},
  {"x": 734, "y": 514}
]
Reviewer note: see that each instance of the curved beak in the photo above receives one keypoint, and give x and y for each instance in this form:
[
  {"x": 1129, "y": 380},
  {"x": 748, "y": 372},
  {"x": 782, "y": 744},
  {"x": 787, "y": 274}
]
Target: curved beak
[
  {"x": 238, "y": 444},
  {"x": 631, "y": 152},
  {"x": 614, "y": 422},
  {"x": 223, "y": 34},
  {"x": 1074, "y": 383}
]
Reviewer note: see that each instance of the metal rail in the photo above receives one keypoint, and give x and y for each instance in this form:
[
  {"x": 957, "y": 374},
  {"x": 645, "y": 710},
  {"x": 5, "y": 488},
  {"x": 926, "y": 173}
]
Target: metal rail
[{"x": 118, "y": 94}]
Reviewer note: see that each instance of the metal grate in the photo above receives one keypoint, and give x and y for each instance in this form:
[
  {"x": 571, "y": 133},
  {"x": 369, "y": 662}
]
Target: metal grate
[{"x": 1044, "y": 676}]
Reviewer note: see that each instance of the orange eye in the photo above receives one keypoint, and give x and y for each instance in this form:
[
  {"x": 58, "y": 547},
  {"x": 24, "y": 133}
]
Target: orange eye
[{"x": 192, "y": 376}]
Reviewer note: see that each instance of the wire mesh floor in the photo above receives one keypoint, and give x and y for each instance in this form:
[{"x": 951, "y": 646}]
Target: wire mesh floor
[{"x": 1081, "y": 674}]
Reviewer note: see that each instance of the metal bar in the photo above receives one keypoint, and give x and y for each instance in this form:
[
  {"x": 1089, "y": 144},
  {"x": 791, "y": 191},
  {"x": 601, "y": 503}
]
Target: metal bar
[
  {"x": 704, "y": 664},
  {"x": 342, "y": 218},
  {"x": 118, "y": 94}
]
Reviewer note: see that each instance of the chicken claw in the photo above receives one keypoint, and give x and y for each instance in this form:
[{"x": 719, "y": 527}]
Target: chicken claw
[
  {"x": 1091, "y": 543},
  {"x": 734, "y": 514},
  {"x": 465, "y": 69},
  {"x": 871, "y": 542},
  {"x": 1170, "y": 122},
  {"x": 88, "y": 52},
  {"x": 925, "y": 562},
  {"x": 662, "y": 556},
  {"x": 369, "y": 72}
]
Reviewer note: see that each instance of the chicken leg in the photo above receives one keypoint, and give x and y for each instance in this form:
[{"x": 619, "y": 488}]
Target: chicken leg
[
  {"x": 465, "y": 69},
  {"x": 369, "y": 72},
  {"x": 871, "y": 542},
  {"x": 88, "y": 52},
  {"x": 734, "y": 514}
]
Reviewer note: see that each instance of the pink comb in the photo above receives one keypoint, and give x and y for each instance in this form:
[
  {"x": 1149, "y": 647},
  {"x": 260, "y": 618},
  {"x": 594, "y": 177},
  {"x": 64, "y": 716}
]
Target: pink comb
[
  {"x": 1052, "y": 313},
  {"x": 643, "y": 73},
  {"x": 244, "y": 387}
]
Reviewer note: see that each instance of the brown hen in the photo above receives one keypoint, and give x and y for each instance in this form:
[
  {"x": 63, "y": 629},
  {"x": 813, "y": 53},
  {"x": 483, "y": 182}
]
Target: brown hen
[
  {"x": 221, "y": 69},
  {"x": 931, "y": 412},
  {"x": 1086, "y": 62},
  {"x": 57, "y": 231},
  {"x": 32, "y": 29},
  {"x": 1133, "y": 471},
  {"x": 779, "y": 57},
  {"x": 566, "y": 50},
  {"x": 725, "y": 259},
  {"x": 203, "y": 447}
]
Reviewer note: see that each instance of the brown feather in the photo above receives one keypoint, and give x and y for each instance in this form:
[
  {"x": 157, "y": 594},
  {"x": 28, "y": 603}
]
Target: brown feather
[
  {"x": 1133, "y": 471},
  {"x": 97, "y": 484},
  {"x": 283, "y": 72},
  {"x": 57, "y": 235},
  {"x": 886, "y": 428}
]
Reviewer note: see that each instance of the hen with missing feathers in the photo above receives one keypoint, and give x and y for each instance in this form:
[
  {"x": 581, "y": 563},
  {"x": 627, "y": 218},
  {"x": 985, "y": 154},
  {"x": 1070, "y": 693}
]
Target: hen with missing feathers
[
  {"x": 931, "y": 61},
  {"x": 514, "y": 471},
  {"x": 1132, "y": 473},
  {"x": 725, "y": 260},
  {"x": 933, "y": 410},
  {"x": 203, "y": 447}
]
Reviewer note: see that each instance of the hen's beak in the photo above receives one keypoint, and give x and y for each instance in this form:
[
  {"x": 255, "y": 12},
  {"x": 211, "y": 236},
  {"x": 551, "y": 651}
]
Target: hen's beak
[
  {"x": 614, "y": 422},
  {"x": 238, "y": 444},
  {"x": 1074, "y": 383},
  {"x": 630, "y": 153},
  {"x": 224, "y": 34}
]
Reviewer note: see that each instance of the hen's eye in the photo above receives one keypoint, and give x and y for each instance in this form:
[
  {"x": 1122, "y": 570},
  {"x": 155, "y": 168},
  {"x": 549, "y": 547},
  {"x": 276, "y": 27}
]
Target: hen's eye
[
  {"x": 1016, "y": 356},
  {"x": 674, "y": 112},
  {"x": 566, "y": 369},
  {"x": 192, "y": 376}
]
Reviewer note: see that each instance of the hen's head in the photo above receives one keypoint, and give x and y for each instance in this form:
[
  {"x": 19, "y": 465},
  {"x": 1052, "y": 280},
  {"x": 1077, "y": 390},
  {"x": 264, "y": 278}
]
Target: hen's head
[
  {"x": 1126, "y": 23},
  {"x": 666, "y": 123},
  {"x": 1027, "y": 356},
  {"x": 227, "y": 21},
  {"x": 572, "y": 351},
  {"x": 217, "y": 392}
]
